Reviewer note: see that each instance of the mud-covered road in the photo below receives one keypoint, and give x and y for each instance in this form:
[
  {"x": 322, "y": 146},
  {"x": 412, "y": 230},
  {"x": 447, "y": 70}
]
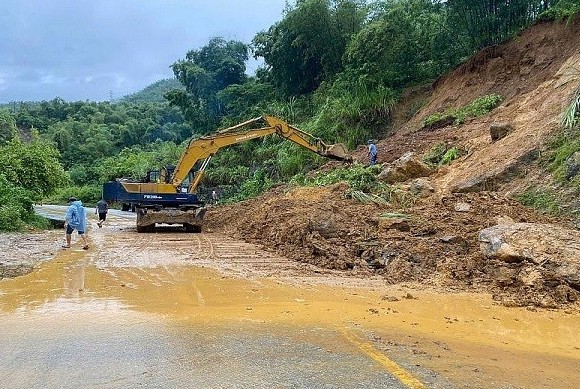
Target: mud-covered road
[{"x": 171, "y": 309}]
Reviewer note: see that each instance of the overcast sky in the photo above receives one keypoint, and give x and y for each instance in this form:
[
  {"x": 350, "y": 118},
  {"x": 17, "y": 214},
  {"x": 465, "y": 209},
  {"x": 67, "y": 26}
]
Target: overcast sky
[{"x": 92, "y": 49}]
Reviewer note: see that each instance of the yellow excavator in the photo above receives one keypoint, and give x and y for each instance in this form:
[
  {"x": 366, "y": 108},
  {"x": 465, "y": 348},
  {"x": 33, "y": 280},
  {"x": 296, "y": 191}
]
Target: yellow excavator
[{"x": 169, "y": 195}]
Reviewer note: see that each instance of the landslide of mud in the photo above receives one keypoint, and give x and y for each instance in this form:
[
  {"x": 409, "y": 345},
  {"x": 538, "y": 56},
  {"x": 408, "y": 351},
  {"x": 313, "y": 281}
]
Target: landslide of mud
[
  {"x": 435, "y": 239},
  {"x": 432, "y": 242}
]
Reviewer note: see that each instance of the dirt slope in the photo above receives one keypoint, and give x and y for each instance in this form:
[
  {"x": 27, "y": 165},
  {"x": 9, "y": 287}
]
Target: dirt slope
[{"x": 435, "y": 241}]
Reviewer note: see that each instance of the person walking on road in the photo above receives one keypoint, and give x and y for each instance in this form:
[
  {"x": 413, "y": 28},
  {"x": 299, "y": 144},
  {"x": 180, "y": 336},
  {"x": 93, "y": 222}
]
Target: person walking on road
[
  {"x": 101, "y": 209},
  {"x": 76, "y": 219},
  {"x": 372, "y": 152}
]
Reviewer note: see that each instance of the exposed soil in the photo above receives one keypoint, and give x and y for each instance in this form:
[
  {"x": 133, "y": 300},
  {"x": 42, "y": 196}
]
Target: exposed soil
[{"x": 435, "y": 241}]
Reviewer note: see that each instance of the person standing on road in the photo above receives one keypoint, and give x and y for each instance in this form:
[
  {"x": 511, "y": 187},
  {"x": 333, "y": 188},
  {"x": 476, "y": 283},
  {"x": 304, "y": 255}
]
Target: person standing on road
[
  {"x": 76, "y": 219},
  {"x": 101, "y": 209},
  {"x": 372, "y": 152}
]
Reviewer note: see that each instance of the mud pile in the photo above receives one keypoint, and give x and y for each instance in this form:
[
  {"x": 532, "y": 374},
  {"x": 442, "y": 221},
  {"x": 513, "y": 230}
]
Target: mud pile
[{"x": 435, "y": 243}]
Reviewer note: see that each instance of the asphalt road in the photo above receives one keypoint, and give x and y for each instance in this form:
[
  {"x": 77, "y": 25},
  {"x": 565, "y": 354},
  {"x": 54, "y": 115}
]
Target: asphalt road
[{"x": 177, "y": 310}]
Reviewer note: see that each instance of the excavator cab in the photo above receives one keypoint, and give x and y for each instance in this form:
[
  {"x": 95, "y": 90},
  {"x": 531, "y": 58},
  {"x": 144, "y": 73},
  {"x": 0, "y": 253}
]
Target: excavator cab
[{"x": 162, "y": 175}]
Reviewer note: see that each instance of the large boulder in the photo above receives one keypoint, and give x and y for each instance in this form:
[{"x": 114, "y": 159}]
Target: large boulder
[
  {"x": 407, "y": 167},
  {"x": 551, "y": 250}
]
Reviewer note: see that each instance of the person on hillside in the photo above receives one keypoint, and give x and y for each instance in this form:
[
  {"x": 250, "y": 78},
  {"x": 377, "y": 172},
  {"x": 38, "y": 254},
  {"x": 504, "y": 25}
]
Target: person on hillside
[
  {"x": 214, "y": 197},
  {"x": 372, "y": 152},
  {"x": 101, "y": 209},
  {"x": 76, "y": 219}
]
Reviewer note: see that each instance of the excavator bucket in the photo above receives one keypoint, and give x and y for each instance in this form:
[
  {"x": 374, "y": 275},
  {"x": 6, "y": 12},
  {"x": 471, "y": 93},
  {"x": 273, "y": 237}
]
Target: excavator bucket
[{"x": 338, "y": 151}]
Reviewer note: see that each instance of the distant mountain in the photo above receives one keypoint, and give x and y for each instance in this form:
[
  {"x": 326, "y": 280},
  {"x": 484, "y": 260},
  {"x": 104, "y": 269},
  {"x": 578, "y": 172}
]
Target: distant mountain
[{"x": 152, "y": 93}]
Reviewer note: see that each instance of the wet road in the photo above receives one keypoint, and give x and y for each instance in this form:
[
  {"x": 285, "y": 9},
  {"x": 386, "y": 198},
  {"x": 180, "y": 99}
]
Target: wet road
[{"x": 172, "y": 310}]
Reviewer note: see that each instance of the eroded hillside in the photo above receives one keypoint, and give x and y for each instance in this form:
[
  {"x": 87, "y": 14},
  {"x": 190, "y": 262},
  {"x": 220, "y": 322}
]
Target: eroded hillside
[{"x": 439, "y": 236}]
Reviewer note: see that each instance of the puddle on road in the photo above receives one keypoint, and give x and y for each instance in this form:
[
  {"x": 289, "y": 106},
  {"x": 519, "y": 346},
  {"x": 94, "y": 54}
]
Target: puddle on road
[{"x": 441, "y": 326}]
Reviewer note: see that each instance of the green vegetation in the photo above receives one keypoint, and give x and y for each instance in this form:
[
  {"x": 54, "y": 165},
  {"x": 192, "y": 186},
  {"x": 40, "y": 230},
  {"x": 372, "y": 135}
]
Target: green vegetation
[
  {"x": 153, "y": 93},
  {"x": 564, "y": 146},
  {"x": 562, "y": 10},
  {"x": 358, "y": 177},
  {"x": 28, "y": 172},
  {"x": 457, "y": 116},
  {"x": 362, "y": 182},
  {"x": 540, "y": 199},
  {"x": 442, "y": 154},
  {"x": 334, "y": 68}
]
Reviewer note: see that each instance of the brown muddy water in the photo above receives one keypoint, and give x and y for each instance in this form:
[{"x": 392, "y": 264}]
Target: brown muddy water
[{"x": 202, "y": 310}]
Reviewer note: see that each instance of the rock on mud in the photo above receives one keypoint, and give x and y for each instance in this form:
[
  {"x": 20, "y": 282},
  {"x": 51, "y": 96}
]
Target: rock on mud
[
  {"x": 407, "y": 167},
  {"x": 543, "y": 257}
]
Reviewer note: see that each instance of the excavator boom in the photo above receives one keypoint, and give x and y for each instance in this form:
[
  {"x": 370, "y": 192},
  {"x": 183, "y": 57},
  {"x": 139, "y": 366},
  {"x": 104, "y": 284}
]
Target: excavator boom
[{"x": 166, "y": 198}]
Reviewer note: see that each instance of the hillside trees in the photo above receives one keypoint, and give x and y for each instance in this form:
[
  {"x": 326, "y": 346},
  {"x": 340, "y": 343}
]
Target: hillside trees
[
  {"x": 7, "y": 126},
  {"x": 28, "y": 172},
  {"x": 489, "y": 22},
  {"x": 204, "y": 73},
  {"x": 305, "y": 48},
  {"x": 334, "y": 68}
]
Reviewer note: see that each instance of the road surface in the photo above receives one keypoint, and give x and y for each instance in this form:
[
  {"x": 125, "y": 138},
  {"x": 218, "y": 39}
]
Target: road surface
[{"x": 172, "y": 310}]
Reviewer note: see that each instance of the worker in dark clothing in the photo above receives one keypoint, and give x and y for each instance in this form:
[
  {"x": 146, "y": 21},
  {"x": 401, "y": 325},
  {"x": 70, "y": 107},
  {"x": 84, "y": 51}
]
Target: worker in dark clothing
[
  {"x": 372, "y": 152},
  {"x": 101, "y": 209}
]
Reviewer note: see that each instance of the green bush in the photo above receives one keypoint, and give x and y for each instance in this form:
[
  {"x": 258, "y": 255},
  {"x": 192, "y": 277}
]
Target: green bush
[
  {"x": 357, "y": 176},
  {"x": 88, "y": 194},
  {"x": 567, "y": 141},
  {"x": 540, "y": 199},
  {"x": 15, "y": 206},
  {"x": 450, "y": 155},
  {"x": 563, "y": 10},
  {"x": 442, "y": 154},
  {"x": 257, "y": 184},
  {"x": 476, "y": 108},
  {"x": 10, "y": 218}
]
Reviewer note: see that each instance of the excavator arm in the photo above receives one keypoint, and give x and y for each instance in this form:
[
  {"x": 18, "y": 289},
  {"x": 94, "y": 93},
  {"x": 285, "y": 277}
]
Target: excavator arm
[
  {"x": 161, "y": 199},
  {"x": 203, "y": 148}
]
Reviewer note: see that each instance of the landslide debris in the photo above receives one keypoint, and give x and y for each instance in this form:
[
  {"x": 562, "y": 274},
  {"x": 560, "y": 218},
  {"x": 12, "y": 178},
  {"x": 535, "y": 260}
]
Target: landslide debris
[
  {"x": 433, "y": 242},
  {"x": 441, "y": 237}
]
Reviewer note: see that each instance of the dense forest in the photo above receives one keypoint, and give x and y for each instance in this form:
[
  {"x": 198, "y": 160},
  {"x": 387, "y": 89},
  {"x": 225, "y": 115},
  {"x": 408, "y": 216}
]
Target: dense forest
[{"x": 334, "y": 68}]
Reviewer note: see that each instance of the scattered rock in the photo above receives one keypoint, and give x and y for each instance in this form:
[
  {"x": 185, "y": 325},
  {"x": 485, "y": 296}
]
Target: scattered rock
[
  {"x": 573, "y": 165},
  {"x": 505, "y": 173},
  {"x": 462, "y": 207},
  {"x": 399, "y": 224},
  {"x": 499, "y": 131},
  {"x": 504, "y": 220},
  {"x": 453, "y": 239},
  {"x": 405, "y": 168},
  {"x": 421, "y": 187},
  {"x": 554, "y": 250}
]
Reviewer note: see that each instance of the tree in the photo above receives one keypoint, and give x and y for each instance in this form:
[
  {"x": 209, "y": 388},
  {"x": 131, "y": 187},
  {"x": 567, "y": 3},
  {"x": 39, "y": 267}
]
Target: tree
[
  {"x": 489, "y": 22},
  {"x": 204, "y": 73},
  {"x": 305, "y": 48},
  {"x": 7, "y": 127},
  {"x": 407, "y": 44},
  {"x": 34, "y": 166}
]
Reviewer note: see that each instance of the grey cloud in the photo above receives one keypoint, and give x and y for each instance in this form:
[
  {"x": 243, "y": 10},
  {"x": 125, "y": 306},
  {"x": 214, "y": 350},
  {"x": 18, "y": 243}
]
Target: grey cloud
[{"x": 84, "y": 50}]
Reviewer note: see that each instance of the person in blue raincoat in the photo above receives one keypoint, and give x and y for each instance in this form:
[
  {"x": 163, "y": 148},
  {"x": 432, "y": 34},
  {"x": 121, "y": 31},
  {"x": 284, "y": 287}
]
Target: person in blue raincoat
[
  {"x": 372, "y": 152},
  {"x": 76, "y": 219}
]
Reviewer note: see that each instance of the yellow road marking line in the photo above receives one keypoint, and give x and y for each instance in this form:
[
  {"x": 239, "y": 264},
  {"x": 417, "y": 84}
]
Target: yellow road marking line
[{"x": 392, "y": 367}]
